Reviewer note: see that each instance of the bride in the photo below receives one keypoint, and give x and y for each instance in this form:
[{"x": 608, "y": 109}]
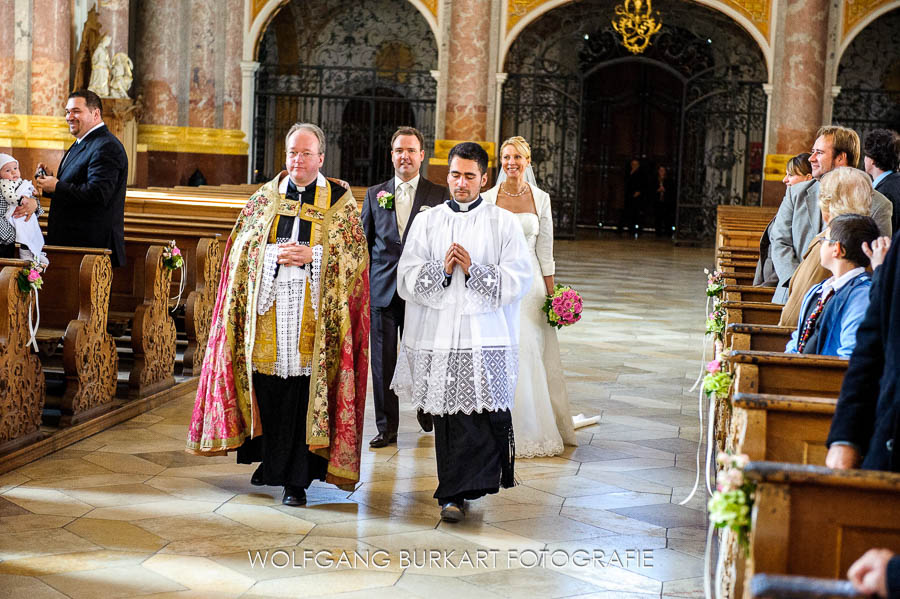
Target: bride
[{"x": 541, "y": 418}]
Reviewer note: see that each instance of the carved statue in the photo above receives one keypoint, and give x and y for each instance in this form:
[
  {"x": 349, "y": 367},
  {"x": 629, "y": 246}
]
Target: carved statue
[
  {"x": 90, "y": 37},
  {"x": 121, "y": 77},
  {"x": 99, "y": 83}
]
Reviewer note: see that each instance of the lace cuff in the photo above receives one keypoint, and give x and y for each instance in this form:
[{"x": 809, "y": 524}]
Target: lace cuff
[
  {"x": 267, "y": 280},
  {"x": 430, "y": 284},
  {"x": 483, "y": 286},
  {"x": 315, "y": 272}
]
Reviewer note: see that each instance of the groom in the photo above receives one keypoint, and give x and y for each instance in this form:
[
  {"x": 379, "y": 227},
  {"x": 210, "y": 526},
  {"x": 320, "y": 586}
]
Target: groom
[{"x": 386, "y": 223}]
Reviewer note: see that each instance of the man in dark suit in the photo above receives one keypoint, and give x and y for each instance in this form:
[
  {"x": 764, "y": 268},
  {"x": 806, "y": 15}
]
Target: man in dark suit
[
  {"x": 88, "y": 193},
  {"x": 866, "y": 423},
  {"x": 882, "y": 153},
  {"x": 386, "y": 221}
]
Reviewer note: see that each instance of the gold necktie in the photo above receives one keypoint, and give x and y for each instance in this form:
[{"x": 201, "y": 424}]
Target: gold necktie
[{"x": 403, "y": 207}]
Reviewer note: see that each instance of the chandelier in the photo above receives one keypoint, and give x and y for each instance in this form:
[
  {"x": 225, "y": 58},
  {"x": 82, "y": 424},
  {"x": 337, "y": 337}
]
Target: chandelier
[{"x": 636, "y": 22}]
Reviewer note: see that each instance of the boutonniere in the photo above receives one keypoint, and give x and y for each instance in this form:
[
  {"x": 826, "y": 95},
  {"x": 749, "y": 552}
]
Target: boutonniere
[{"x": 385, "y": 200}]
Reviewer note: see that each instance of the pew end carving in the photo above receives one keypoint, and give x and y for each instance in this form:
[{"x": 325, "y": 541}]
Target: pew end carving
[{"x": 22, "y": 382}]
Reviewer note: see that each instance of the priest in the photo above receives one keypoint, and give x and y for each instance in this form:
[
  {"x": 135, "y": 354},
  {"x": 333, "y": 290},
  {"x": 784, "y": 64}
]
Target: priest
[
  {"x": 463, "y": 270},
  {"x": 284, "y": 376}
]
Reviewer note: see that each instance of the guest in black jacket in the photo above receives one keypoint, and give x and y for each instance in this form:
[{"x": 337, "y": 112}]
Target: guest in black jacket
[
  {"x": 881, "y": 152},
  {"x": 88, "y": 193},
  {"x": 866, "y": 423},
  {"x": 386, "y": 223}
]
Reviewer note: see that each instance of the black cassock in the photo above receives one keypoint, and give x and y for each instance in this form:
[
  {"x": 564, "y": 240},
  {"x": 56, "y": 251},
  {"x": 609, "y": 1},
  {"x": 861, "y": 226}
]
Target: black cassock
[{"x": 475, "y": 455}]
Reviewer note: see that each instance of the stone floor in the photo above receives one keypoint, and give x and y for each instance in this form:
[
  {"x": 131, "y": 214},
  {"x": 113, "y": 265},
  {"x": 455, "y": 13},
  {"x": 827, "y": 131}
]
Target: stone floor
[{"x": 128, "y": 513}]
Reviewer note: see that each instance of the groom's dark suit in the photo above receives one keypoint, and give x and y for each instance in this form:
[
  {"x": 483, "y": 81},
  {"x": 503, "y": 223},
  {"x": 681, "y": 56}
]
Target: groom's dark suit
[
  {"x": 88, "y": 205},
  {"x": 385, "y": 246}
]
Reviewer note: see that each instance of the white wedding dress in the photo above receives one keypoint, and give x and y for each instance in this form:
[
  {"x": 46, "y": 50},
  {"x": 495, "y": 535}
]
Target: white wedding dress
[{"x": 542, "y": 422}]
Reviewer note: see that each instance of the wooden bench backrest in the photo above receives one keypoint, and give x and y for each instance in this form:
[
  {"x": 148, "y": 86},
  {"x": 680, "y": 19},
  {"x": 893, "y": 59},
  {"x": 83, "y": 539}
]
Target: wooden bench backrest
[{"x": 60, "y": 295}]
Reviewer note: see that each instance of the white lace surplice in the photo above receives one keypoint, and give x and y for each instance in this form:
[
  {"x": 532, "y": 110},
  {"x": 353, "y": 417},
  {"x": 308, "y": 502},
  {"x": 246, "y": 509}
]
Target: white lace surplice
[
  {"x": 286, "y": 290},
  {"x": 459, "y": 351}
]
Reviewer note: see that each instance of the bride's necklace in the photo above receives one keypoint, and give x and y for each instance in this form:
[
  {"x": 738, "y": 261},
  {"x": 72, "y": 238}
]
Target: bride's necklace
[{"x": 515, "y": 195}]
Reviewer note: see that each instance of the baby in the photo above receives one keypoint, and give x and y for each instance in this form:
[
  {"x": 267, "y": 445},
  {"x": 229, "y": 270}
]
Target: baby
[{"x": 26, "y": 232}]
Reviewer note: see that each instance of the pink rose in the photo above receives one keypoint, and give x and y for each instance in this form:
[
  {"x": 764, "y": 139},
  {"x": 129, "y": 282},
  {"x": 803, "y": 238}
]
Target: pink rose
[
  {"x": 568, "y": 304},
  {"x": 33, "y": 276},
  {"x": 714, "y": 367},
  {"x": 176, "y": 252},
  {"x": 381, "y": 194}
]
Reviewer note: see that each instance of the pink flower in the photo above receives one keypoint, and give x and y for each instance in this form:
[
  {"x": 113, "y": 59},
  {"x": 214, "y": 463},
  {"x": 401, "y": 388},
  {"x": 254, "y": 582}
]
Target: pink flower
[
  {"x": 33, "y": 276},
  {"x": 381, "y": 194},
  {"x": 176, "y": 252},
  {"x": 714, "y": 367},
  {"x": 568, "y": 304}
]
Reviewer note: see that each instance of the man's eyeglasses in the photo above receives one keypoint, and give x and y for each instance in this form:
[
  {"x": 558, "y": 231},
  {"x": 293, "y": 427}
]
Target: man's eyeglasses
[{"x": 302, "y": 155}]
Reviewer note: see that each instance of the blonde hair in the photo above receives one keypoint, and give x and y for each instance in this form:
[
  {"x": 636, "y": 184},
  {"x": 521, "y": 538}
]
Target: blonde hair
[
  {"x": 519, "y": 144},
  {"x": 845, "y": 190},
  {"x": 843, "y": 140}
]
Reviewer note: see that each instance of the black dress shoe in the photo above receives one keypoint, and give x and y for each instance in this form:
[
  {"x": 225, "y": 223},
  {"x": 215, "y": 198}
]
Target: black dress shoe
[
  {"x": 257, "y": 479},
  {"x": 382, "y": 440},
  {"x": 452, "y": 512},
  {"x": 294, "y": 496},
  {"x": 425, "y": 421}
]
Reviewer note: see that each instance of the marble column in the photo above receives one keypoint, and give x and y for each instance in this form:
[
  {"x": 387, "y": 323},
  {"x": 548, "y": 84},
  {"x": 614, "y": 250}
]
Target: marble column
[
  {"x": 50, "y": 57},
  {"x": 202, "y": 89},
  {"x": 157, "y": 60},
  {"x": 798, "y": 78},
  {"x": 7, "y": 63},
  {"x": 114, "y": 16},
  {"x": 234, "y": 46},
  {"x": 469, "y": 68}
]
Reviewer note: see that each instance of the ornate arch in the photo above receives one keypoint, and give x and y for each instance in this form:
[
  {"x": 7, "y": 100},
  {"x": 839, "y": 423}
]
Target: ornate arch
[
  {"x": 259, "y": 13},
  {"x": 738, "y": 10},
  {"x": 854, "y": 24}
]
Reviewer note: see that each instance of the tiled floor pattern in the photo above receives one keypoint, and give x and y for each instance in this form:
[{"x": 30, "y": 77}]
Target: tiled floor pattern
[{"x": 128, "y": 513}]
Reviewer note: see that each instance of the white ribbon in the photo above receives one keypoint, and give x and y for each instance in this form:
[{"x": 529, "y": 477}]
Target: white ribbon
[
  {"x": 33, "y": 328},
  {"x": 177, "y": 298}
]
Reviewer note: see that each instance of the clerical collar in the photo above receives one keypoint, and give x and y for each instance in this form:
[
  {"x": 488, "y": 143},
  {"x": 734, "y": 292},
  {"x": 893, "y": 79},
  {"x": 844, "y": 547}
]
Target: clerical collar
[
  {"x": 457, "y": 207},
  {"x": 321, "y": 181}
]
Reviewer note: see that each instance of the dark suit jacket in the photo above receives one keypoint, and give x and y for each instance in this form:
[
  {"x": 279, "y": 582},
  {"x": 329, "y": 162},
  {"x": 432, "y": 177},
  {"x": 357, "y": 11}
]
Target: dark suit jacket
[
  {"x": 889, "y": 187},
  {"x": 868, "y": 410},
  {"x": 383, "y": 235},
  {"x": 88, "y": 206}
]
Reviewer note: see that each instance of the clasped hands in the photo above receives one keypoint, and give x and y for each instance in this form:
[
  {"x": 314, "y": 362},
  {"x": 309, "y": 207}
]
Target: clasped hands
[
  {"x": 457, "y": 254},
  {"x": 294, "y": 254}
]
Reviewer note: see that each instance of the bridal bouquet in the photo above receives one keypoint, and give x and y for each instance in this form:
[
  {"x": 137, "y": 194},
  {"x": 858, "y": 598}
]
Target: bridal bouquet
[{"x": 563, "y": 307}]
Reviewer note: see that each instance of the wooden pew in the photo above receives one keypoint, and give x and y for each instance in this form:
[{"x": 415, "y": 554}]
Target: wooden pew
[
  {"x": 813, "y": 521},
  {"x": 775, "y": 586},
  {"x": 748, "y": 293},
  {"x": 758, "y": 337},
  {"x": 752, "y": 312},
  {"x": 140, "y": 296},
  {"x": 202, "y": 263},
  {"x": 22, "y": 384},
  {"x": 773, "y": 375},
  {"x": 74, "y": 303},
  {"x": 781, "y": 428}
]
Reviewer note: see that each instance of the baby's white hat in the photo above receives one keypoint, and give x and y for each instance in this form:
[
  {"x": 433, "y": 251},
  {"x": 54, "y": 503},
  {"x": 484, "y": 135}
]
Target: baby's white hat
[{"x": 6, "y": 159}]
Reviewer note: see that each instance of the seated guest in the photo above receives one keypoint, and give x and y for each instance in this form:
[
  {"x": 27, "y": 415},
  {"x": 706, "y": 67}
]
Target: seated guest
[
  {"x": 844, "y": 190},
  {"x": 832, "y": 310},
  {"x": 797, "y": 170},
  {"x": 866, "y": 423},
  {"x": 876, "y": 573}
]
